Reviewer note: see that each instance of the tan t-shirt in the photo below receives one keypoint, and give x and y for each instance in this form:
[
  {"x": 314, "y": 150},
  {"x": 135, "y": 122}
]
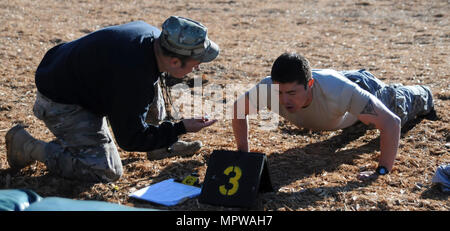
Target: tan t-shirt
[{"x": 336, "y": 102}]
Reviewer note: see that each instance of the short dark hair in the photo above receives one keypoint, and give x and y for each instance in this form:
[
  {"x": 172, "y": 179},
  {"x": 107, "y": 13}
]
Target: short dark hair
[
  {"x": 166, "y": 52},
  {"x": 291, "y": 67}
]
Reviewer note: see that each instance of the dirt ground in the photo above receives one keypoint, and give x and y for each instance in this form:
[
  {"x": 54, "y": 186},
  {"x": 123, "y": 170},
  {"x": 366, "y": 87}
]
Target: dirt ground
[{"x": 398, "y": 41}]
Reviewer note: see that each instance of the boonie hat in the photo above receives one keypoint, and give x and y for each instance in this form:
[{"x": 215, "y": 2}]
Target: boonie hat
[{"x": 187, "y": 37}]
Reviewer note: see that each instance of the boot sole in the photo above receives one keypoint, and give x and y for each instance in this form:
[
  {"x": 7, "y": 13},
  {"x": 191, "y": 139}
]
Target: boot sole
[
  {"x": 8, "y": 141},
  {"x": 164, "y": 153}
]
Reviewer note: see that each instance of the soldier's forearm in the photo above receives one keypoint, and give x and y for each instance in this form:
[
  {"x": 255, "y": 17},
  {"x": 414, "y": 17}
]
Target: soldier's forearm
[
  {"x": 389, "y": 140},
  {"x": 240, "y": 131}
]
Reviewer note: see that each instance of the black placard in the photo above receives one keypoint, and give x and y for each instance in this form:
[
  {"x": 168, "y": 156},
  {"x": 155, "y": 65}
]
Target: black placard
[{"x": 235, "y": 178}]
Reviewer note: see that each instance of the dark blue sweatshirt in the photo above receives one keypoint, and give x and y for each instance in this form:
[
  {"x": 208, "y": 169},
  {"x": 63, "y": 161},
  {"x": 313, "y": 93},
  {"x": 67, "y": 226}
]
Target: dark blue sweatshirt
[{"x": 111, "y": 72}]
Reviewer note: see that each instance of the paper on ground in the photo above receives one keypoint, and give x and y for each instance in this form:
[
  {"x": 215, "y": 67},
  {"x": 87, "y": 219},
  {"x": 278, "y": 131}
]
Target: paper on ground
[{"x": 167, "y": 192}]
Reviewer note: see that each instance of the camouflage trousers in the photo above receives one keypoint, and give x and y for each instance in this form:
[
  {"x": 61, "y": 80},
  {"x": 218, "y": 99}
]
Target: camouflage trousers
[
  {"x": 84, "y": 148},
  {"x": 407, "y": 102}
]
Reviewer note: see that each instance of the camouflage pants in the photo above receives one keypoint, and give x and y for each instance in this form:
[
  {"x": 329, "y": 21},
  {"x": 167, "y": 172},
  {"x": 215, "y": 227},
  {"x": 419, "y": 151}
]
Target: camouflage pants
[
  {"x": 84, "y": 148},
  {"x": 407, "y": 102}
]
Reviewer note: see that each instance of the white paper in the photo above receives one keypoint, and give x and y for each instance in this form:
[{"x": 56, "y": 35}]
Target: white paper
[{"x": 167, "y": 192}]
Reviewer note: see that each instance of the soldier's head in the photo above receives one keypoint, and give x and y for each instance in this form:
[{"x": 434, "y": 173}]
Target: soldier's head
[
  {"x": 291, "y": 67},
  {"x": 292, "y": 73},
  {"x": 186, "y": 43}
]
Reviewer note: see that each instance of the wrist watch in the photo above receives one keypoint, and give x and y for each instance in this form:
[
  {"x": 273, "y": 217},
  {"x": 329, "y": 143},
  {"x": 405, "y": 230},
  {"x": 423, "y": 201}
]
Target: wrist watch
[{"x": 381, "y": 170}]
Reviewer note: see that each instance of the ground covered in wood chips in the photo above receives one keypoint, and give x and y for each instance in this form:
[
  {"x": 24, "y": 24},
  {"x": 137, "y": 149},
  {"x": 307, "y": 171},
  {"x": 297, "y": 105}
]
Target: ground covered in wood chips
[{"x": 398, "y": 41}]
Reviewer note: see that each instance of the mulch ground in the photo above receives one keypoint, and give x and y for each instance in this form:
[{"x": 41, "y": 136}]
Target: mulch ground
[{"x": 404, "y": 42}]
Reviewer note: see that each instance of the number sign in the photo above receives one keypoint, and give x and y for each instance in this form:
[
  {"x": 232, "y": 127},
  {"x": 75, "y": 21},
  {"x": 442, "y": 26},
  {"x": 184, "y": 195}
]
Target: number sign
[{"x": 234, "y": 178}]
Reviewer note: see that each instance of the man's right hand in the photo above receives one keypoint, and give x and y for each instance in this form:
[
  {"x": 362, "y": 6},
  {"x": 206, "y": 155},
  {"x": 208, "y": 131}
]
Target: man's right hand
[{"x": 195, "y": 125}]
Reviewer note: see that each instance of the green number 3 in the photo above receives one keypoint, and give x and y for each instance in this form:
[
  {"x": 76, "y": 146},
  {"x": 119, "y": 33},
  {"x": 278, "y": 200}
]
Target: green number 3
[{"x": 233, "y": 181}]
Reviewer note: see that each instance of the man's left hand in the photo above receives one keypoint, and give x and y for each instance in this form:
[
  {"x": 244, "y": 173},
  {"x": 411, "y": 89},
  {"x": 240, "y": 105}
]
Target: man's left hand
[
  {"x": 195, "y": 125},
  {"x": 367, "y": 175}
]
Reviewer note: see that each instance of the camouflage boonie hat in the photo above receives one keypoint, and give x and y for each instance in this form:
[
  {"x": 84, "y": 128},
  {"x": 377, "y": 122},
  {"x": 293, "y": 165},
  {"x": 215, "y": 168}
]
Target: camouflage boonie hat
[{"x": 187, "y": 37}]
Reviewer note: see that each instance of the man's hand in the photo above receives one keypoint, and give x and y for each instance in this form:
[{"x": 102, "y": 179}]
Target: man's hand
[
  {"x": 367, "y": 175},
  {"x": 376, "y": 113},
  {"x": 195, "y": 125}
]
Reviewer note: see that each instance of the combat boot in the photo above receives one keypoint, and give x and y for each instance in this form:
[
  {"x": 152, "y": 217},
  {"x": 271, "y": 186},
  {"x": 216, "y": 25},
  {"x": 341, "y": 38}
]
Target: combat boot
[
  {"x": 21, "y": 148},
  {"x": 179, "y": 148}
]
